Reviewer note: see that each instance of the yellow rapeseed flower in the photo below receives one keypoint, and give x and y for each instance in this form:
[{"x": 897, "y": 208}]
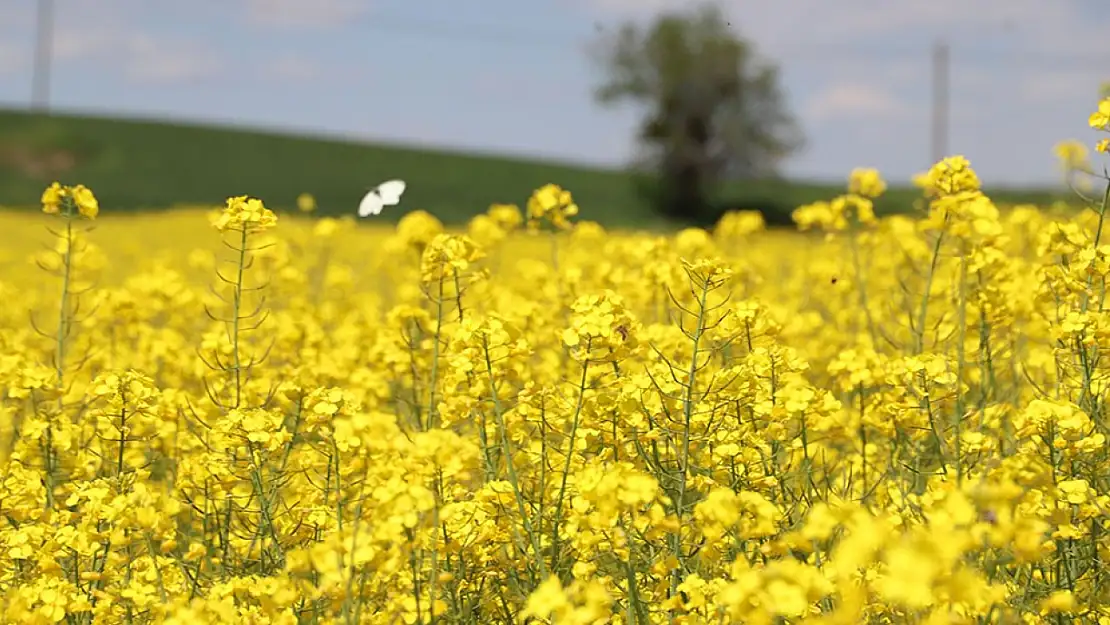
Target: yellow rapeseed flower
[
  {"x": 553, "y": 205},
  {"x": 1072, "y": 154},
  {"x": 306, "y": 203},
  {"x": 245, "y": 214},
  {"x": 1100, "y": 119},
  {"x": 866, "y": 182},
  {"x": 953, "y": 175},
  {"x": 57, "y": 199},
  {"x": 52, "y": 198},
  {"x": 1059, "y": 602},
  {"x": 85, "y": 201}
]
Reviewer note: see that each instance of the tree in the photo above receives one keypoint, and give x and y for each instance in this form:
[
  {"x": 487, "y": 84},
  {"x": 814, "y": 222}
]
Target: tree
[{"x": 714, "y": 111}]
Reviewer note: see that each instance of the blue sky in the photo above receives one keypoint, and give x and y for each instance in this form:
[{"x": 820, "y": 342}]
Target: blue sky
[{"x": 513, "y": 75}]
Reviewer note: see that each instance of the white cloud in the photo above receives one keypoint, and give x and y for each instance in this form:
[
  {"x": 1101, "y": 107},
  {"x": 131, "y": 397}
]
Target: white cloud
[
  {"x": 853, "y": 100},
  {"x": 140, "y": 56},
  {"x": 302, "y": 14},
  {"x": 108, "y": 33},
  {"x": 160, "y": 60}
]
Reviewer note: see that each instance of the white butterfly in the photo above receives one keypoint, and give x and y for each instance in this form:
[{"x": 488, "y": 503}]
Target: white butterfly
[{"x": 387, "y": 193}]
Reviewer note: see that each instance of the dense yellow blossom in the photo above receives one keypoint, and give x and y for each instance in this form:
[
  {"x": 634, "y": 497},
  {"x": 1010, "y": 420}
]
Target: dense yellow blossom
[{"x": 903, "y": 421}]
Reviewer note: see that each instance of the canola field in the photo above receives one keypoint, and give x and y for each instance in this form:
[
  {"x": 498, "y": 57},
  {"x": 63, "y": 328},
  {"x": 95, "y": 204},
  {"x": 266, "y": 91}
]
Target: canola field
[{"x": 229, "y": 416}]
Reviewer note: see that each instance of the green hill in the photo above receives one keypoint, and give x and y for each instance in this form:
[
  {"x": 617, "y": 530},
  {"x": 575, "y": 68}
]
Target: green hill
[{"x": 137, "y": 165}]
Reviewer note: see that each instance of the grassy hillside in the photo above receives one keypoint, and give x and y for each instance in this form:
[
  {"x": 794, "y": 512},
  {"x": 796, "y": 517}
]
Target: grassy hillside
[{"x": 135, "y": 165}]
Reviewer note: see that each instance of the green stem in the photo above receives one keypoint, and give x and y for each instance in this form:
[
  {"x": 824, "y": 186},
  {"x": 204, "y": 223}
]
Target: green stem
[
  {"x": 514, "y": 481},
  {"x": 687, "y": 418},
  {"x": 570, "y": 456},
  {"x": 923, "y": 310},
  {"x": 237, "y": 303},
  {"x": 435, "y": 358}
]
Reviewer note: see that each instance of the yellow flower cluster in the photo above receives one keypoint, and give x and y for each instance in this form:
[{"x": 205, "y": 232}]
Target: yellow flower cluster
[
  {"x": 601, "y": 328},
  {"x": 953, "y": 176},
  {"x": 551, "y": 204},
  {"x": 58, "y": 199},
  {"x": 245, "y": 214},
  {"x": 845, "y": 211},
  {"x": 898, "y": 423},
  {"x": 1100, "y": 120},
  {"x": 1072, "y": 154},
  {"x": 866, "y": 182},
  {"x": 448, "y": 257}
]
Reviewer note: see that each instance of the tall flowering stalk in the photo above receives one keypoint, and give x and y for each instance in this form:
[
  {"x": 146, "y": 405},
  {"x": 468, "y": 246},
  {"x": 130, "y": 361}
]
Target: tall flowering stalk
[
  {"x": 243, "y": 217},
  {"x": 71, "y": 204}
]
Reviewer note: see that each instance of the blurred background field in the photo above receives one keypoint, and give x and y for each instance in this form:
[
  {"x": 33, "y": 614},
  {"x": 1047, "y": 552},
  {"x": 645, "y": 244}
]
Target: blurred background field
[
  {"x": 130, "y": 243},
  {"x": 155, "y": 105},
  {"x": 136, "y": 166},
  {"x": 127, "y": 244}
]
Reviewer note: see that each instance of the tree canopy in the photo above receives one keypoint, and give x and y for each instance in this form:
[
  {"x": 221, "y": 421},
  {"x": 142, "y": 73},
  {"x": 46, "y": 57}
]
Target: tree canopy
[{"x": 713, "y": 110}]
